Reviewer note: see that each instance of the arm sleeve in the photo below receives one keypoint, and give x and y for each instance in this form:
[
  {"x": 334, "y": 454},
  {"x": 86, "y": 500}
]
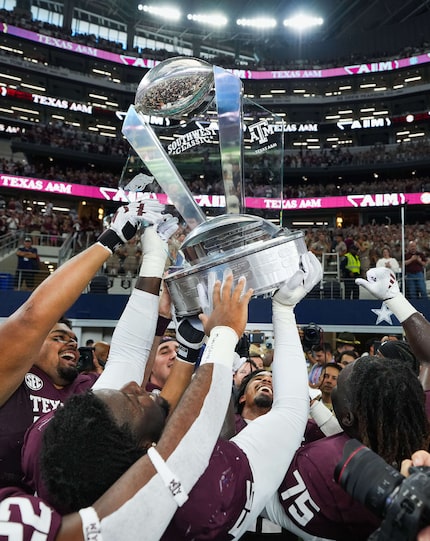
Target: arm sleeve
[
  {"x": 131, "y": 342},
  {"x": 147, "y": 514},
  {"x": 271, "y": 440}
]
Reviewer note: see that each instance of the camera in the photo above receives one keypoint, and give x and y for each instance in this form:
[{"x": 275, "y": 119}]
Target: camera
[
  {"x": 85, "y": 361},
  {"x": 256, "y": 338},
  {"x": 402, "y": 502},
  {"x": 312, "y": 336},
  {"x": 242, "y": 347}
]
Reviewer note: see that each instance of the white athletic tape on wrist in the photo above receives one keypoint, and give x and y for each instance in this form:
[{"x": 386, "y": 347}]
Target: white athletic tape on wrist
[
  {"x": 91, "y": 527},
  {"x": 220, "y": 346},
  {"x": 153, "y": 264},
  {"x": 171, "y": 481}
]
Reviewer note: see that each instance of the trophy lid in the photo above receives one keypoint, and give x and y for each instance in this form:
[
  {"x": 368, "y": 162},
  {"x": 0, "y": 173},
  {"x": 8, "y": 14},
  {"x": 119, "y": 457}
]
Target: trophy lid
[
  {"x": 226, "y": 233},
  {"x": 175, "y": 87}
]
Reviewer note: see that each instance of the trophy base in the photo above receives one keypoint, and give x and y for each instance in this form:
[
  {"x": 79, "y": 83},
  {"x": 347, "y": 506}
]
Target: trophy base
[{"x": 265, "y": 264}]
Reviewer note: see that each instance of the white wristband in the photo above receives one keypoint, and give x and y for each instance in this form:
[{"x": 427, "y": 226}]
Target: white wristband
[
  {"x": 171, "y": 481},
  {"x": 401, "y": 307},
  {"x": 220, "y": 347},
  {"x": 91, "y": 527}
]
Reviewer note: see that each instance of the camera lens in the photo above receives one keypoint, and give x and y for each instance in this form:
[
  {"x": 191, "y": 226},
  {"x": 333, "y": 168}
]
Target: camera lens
[
  {"x": 367, "y": 477},
  {"x": 312, "y": 335}
]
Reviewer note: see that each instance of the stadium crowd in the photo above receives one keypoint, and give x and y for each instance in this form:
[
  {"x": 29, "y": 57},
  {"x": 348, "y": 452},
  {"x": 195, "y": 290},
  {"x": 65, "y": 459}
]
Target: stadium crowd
[
  {"x": 257, "y": 177},
  {"x": 20, "y": 215}
]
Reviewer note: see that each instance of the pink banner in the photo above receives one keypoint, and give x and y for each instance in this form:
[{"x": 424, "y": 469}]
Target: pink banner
[
  {"x": 217, "y": 201},
  {"x": 355, "y": 69}
]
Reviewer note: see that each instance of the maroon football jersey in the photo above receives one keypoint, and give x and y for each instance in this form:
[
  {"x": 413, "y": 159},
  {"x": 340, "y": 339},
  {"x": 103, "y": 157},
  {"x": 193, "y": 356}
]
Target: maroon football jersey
[
  {"x": 34, "y": 397},
  {"x": 219, "y": 501},
  {"x": 313, "y": 500},
  {"x": 30, "y": 462},
  {"x": 239, "y": 422},
  {"x": 312, "y": 432},
  {"x": 25, "y": 518}
]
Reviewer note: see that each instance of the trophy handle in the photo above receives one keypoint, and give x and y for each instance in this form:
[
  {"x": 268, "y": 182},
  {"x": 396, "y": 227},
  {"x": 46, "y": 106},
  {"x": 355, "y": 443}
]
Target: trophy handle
[
  {"x": 142, "y": 138},
  {"x": 228, "y": 96}
]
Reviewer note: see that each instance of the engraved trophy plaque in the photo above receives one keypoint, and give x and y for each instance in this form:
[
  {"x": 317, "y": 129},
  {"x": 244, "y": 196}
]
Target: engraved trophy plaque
[{"x": 207, "y": 133}]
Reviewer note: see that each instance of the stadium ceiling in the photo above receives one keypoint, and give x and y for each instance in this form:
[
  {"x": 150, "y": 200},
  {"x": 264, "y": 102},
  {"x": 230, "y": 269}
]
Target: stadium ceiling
[{"x": 343, "y": 19}]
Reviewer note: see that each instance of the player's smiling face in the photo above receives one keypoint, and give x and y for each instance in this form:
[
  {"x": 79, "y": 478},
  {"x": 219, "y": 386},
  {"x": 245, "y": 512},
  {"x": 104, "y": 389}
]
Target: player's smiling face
[
  {"x": 58, "y": 356},
  {"x": 259, "y": 390}
]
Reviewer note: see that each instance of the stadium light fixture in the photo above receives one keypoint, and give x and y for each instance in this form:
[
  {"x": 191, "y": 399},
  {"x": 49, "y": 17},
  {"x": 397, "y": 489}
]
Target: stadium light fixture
[
  {"x": 301, "y": 22},
  {"x": 166, "y": 12},
  {"x": 260, "y": 23},
  {"x": 213, "y": 19}
]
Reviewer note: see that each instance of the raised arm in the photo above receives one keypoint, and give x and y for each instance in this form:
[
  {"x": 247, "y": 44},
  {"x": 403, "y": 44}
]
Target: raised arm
[
  {"x": 134, "y": 334},
  {"x": 23, "y": 333},
  {"x": 270, "y": 441}
]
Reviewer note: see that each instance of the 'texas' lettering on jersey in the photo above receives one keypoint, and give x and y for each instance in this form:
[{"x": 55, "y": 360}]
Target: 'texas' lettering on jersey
[{"x": 40, "y": 404}]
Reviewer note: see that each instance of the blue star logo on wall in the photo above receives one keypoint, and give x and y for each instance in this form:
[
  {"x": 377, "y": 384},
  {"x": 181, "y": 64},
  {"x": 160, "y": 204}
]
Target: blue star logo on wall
[{"x": 383, "y": 313}]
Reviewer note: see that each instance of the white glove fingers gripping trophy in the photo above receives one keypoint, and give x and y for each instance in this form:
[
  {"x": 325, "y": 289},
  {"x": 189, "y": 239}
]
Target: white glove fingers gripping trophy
[
  {"x": 301, "y": 282},
  {"x": 205, "y": 294},
  {"x": 381, "y": 283},
  {"x": 128, "y": 218},
  {"x": 167, "y": 227}
]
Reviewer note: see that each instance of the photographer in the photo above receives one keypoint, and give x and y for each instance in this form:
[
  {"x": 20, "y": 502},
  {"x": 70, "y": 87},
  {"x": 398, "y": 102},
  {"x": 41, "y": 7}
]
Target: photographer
[
  {"x": 419, "y": 458},
  {"x": 400, "y": 500}
]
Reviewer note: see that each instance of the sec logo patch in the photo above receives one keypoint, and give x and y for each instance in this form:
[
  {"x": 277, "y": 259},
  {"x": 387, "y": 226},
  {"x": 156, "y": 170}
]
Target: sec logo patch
[{"x": 33, "y": 382}]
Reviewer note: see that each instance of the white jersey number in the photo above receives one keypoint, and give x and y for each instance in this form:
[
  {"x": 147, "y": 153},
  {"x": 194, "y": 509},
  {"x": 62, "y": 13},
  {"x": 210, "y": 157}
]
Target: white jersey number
[
  {"x": 15, "y": 531},
  {"x": 303, "y": 508}
]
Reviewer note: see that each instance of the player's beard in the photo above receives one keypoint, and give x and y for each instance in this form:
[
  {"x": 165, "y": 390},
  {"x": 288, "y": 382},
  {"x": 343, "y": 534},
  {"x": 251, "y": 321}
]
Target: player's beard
[
  {"x": 68, "y": 373},
  {"x": 263, "y": 401}
]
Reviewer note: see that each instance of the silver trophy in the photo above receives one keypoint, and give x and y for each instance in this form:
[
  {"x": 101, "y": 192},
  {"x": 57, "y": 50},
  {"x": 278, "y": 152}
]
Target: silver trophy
[{"x": 203, "y": 106}]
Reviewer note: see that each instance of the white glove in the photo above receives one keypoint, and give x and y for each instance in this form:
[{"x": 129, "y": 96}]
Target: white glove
[
  {"x": 167, "y": 227},
  {"x": 302, "y": 281},
  {"x": 382, "y": 284},
  {"x": 205, "y": 293},
  {"x": 127, "y": 220}
]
